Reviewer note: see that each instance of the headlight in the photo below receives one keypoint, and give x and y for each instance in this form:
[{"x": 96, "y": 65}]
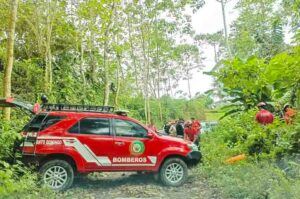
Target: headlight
[{"x": 193, "y": 147}]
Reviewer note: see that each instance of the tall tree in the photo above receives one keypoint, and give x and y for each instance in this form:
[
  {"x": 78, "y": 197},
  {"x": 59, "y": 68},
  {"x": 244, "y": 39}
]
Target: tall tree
[
  {"x": 258, "y": 30},
  {"x": 223, "y": 4},
  {"x": 10, "y": 55},
  {"x": 216, "y": 40}
]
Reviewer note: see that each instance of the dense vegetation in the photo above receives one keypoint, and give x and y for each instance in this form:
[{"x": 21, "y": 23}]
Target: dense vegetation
[
  {"x": 271, "y": 168},
  {"x": 132, "y": 54},
  {"x": 262, "y": 67},
  {"x": 101, "y": 52}
]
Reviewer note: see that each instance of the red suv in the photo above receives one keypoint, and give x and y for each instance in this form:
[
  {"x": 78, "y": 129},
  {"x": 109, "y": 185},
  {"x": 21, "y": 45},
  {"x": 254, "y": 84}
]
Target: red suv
[{"x": 64, "y": 140}]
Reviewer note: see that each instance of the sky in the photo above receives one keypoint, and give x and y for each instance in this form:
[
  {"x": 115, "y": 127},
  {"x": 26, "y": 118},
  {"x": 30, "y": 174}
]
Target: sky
[{"x": 208, "y": 19}]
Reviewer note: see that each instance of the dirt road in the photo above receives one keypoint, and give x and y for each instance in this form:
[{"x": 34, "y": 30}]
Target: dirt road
[{"x": 132, "y": 185}]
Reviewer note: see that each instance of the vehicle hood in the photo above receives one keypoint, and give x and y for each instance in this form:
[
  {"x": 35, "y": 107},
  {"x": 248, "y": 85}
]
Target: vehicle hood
[{"x": 173, "y": 139}]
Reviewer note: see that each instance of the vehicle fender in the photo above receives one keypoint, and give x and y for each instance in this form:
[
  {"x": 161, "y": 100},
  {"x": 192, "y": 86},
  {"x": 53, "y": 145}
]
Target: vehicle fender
[
  {"x": 168, "y": 152},
  {"x": 80, "y": 163},
  {"x": 70, "y": 155}
]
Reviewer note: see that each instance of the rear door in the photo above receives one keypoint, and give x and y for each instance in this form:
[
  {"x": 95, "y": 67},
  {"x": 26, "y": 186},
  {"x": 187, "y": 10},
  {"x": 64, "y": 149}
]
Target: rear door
[
  {"x": 29, "y": 132},
  {"x": 133, "y": 150},
  {"x": 37, "y": 124},
  {"x": 95, "y": 141},
  {"x": 12, "y": 102}
]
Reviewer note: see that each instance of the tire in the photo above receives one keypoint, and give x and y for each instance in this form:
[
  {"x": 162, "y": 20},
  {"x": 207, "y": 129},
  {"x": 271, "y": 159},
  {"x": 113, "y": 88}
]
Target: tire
[
  {"x": 58, "y": 175},
  {"x": 173, "y": 172}
]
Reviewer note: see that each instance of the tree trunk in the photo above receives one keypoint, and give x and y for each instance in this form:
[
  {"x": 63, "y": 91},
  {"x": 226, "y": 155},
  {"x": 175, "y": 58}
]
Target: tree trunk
[
  {"x": 132, "y": 53},
  {"x": 158, "y": 80},
  {"x": 106, "y": 71},
  {"x": 83, "y": 99},
  {"x": 94, "y": 63},
  {"x": 82, "y": 64},
  {"x": 116, "y": 103},
  {"x": 224, "y": 19},
  {"x": 48, "y": 53},
  {"x": 189, "y": 86},
  {"x": 170, "y": 87},
  {"x": 146, "y": 110},
  {"x": 146, "y": 81},
  {"x": 48, "y": 69},
  {"x": 146, "y": 58},
  {"x": 216, "y": 54},
  {"x": 106, "y": 77},
  {"x": 223, "y": 3},
  {"x": 10, "y": 56}
]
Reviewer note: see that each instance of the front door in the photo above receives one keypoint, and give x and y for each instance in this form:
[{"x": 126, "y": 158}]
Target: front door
[
  {"x": 95, "y": 141},
  {"x": 133, "y": 149}
]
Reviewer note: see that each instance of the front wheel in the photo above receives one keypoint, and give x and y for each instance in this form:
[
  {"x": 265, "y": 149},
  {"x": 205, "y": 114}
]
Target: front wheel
[
  {"x": 58, "y": 175},
  {"x": 173, "y": 172}
]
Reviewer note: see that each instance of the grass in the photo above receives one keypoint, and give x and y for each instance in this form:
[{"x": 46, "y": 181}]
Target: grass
[
  {"x": 250, "y": 178},
  {"x": 212, "y": 115}
]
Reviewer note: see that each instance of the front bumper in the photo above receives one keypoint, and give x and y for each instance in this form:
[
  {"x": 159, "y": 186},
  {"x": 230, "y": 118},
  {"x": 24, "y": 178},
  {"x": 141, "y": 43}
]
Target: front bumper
[{"x": 194, "y": 157}]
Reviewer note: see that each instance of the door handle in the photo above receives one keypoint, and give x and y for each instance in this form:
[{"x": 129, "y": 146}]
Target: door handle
[{"x": 119, "y": 143}]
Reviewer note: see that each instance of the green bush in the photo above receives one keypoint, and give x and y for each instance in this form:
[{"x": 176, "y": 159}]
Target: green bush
[
  {"x": 242, "y": 134},
  {"x": 16, "y": 180},
  {"x": 251, "y": 180},
  {"x": 265, "y": 173}
]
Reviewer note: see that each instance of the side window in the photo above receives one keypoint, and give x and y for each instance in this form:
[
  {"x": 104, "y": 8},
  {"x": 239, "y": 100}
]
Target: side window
[
  {"x": 74, "y": 128},
  {"x": 94, "y": 126},
  {"x": 51, "y": 120},
  {"x": 126, "y": 128},
  {"x": 41, "y": 122},
  {"x": 35, "y": 124}
]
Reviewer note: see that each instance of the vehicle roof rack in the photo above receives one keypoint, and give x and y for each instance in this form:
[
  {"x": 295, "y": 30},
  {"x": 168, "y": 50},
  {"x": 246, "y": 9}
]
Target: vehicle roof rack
[{"x": 77, "y": 108}]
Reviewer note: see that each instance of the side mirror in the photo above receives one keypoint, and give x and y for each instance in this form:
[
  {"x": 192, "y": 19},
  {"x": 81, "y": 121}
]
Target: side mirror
[{"x": 150, "y": 134}]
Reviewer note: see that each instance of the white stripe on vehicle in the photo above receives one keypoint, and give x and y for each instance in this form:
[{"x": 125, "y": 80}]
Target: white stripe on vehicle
[
  {"x": 104, "y": 160},
  {"x": 27, "y": 144},
  {"x": 54, "y": 137},
  {"x": 89, "y": 156},
  {"x": 83, "y": 151},
  {"x": 153, "y": 159},
  {"x": 144, "y": 165}
]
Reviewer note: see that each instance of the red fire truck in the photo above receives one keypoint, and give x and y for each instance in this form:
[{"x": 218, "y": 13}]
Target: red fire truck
[{"x": 64, "y": 140}]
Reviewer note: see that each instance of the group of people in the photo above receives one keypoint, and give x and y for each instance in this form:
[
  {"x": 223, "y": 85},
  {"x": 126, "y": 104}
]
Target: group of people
[
  {"x": 188, "y": 130},
  {"x": 264, "y": 116}
]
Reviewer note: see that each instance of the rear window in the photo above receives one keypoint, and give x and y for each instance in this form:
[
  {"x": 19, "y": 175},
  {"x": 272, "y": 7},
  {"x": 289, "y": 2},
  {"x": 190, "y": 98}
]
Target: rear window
[{"x": 41, "y": 122}]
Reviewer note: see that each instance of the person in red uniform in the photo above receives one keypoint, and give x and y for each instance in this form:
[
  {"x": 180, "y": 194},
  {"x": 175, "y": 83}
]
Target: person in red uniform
[
  {"x": 190, "y": 133},
  {"x": 289, "y": 114},
  {"x": 196, "y": 124},
  {"x": 264, "y": 116}
]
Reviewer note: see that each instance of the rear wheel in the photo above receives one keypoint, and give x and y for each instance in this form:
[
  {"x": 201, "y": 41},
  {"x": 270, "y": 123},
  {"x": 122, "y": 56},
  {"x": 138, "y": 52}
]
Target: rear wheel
[
  {"x": 173, "y": 172},
  {"x": 57, "y": 174}
]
